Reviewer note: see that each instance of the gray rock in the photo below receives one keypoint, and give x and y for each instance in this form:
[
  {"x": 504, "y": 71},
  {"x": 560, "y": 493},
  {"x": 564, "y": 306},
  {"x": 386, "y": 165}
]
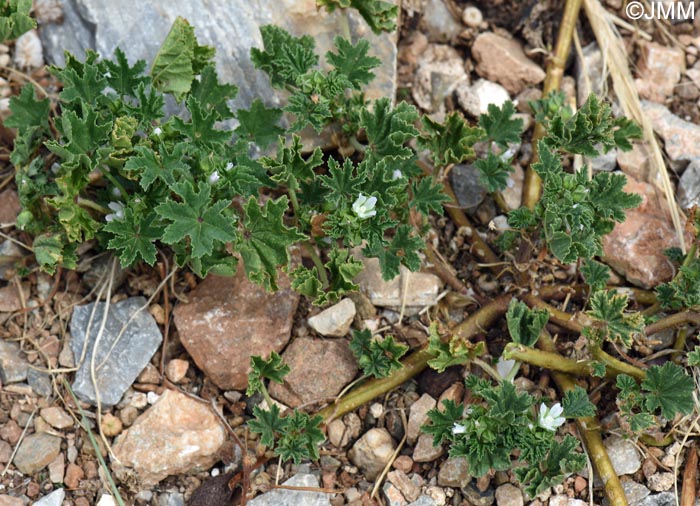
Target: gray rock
[
  {"x": 334, "y": 321},
  {"x": 171, "y": 499},
  {"x": 681, "y": 138},
  {"x": 634, "y": 492},
  {"x": 662, "y": 499},
  {"x": 11, "y": 252},
  {"x": 294, "y": 497},
  {"x": 418, "y": 416},
  {"x": 424, "y": 500},
  {"x": 438, "y": 22},
  {"x": 509, "y": 495},
  {"x": 55, "y": 498},
  {"x": 232, "y": 27},
  {"x": 465, "y": 183},
  {"x": 623, "y": 455},
  {"x": 477, "y": 497},
  {"x": 440, "y": 70},
  {"x": 689, "y": 185},
  {"x": 372, "y": 452},
  {"x": 40, "y": 382},
  {"x": 606, "y": 162},
  {"x": 120, "y": 358},
  {"x": 589, "y": 72},
  {"x": 425, "y": 451},
  {"x": 13, "y": 368},
  {"x": 36, "y": 452},
  {"x": 475, "y": 99},
  {"x": 454, "y": 472}
]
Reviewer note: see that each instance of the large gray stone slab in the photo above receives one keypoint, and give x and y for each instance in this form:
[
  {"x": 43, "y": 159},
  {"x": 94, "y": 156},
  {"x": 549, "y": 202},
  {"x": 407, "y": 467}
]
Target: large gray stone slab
[
  {"x": 231, "y": 26},
  {"x": 119, "y": 358}
]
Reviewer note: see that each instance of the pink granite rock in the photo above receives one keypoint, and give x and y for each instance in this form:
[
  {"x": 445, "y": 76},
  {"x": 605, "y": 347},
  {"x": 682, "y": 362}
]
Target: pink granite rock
[
  {"x": 635, "y": 247},
  {"x": 176, "y": 435},
  {"x": 503, "y": 60},
  {"x": 228, "y": 319}
]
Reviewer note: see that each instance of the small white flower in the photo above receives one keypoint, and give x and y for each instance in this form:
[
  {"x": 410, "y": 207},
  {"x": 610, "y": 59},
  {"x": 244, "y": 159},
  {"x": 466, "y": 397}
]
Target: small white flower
[
  {"x": 458, "y": 429},
  {"x": 214, "y": 177},
  {"x": 137, "y": 200},
  {"x": 229, "y": 166},
  {"x": 364, "y": 207},
  {"x": 550, "y": 418},
  {"x": 157, "y": 131},
  {"x": 118, "y": 213},
  {"x": 504, "y": 367},
  {"x": 54, "y": 167},
  {"x": 116, "y": 192},
  {"x": 397, "y": 174}
]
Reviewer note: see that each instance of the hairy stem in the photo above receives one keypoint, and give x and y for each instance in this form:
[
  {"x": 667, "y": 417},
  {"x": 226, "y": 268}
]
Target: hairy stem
[
  {"x": 90, "y": 204},
  {"x": 317, "y": 262},
  {"x": 616, "y": 364},
  {"x": 532, "y": 189},
  {"x": 415, "y": 363},
  {"x": 672, "y": 321},
  {"x": 590, "y": 432}
]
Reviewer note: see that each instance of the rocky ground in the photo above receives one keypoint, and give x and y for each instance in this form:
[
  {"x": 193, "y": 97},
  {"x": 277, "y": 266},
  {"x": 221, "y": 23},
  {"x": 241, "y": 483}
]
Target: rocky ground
[{"x": 183, "y": 357}]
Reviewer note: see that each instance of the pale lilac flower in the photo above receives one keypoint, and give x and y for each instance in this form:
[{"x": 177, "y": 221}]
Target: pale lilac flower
[
  {"x": 364, "y": 207},
  {"x": 397, "y": 174},
  {"x": 214, "y": 177},
  {"x": 550, "y": 418},
  {"x": 504, "y": 367},
  {"x": 229, "y": 166},
  {"x": 118, "y": 213},
  {"x": 458, "y": 429}
]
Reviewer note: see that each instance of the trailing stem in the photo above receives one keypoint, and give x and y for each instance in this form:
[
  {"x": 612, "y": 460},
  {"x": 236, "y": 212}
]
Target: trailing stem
[
  {"x": 416, "y": 362},
  {"x": 589, "y": 430},
  {"x": 532, "y": 189}
]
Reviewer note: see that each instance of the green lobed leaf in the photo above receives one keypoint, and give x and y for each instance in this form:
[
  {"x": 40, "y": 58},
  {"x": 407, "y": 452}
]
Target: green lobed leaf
[
  {"x": 206, "y": 223},
  {"x": 272, "y": 368},
  {"x": 200, "y": 128},
  {"x": 595, "y": 274},
  {"x": 500, "y": 126},
  {"x": 376, "y": 357},
  {"x": 300, "y": 438},
  {"x": 120, "y": 76},
  {"x": 670, "y": 389},
  {"x": 285, "y": 58},
  {"x": 442, "y": 422},
  {"x": 389, "y": 129},
  {"x": 403, "y": 249},
  {"x": 493, "y": 172},
  {"x": 178, "y": 60},
  {"x": 27, "y": 111},
  {"x": 379, "y": 14},
  {"x": 134, "y": 236},
  {"x": 259, "y": 124},
  {"x": 525, "y": 324},
  {"x": 268, "y": 424},
  {"x": 609, "y": 308},
  {"x": 449, "y": 142},
  {"x": 456, "y": 351},
  {"x": 576, "y": 403},
  {"x": 15, "y": 19},
  {"x": 266, "y": 240},
  {"x": 353, "y": 61},
  {"x": 427, "y": 195},
  {"x": 212, "y": 95}
]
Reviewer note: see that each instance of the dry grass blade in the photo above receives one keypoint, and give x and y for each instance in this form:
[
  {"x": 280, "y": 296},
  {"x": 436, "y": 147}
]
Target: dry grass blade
[{"x": 610, "y": 42}]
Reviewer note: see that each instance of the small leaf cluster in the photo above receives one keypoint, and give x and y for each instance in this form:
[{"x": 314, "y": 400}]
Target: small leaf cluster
[
  {"x": 379, "y": 14},
  {"x": 575, "y": 212},
  {"x": 667, "y": 390},
  {"x": 683, "y": 291},
  {"x": 454, "y": 351},
  {"x": 611, "y": 322},
  {"x": 525, "y": 324},
  {"x": 294, "y": 436},
  {"x": 376, "y": 357},
  {"x": 488, "y": 432},
  {"x": 15, "y": 19}
]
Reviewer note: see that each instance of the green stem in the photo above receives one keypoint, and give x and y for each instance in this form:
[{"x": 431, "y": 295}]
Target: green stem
[
  {"x": 500, "y": 202},
  {"x": 672, "y": 321},
  {"x": 416, "y": 362},
  {"x": 590, "y": 432},
  {"x": 83, "y": 202},
  {"x": 106, "y": 173},
  {"x": 547, "y": 360},
  {"x": 488, "y": 369},
  {"x": 318, "y": 263},
  {"x": 617, "y": 365}
]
